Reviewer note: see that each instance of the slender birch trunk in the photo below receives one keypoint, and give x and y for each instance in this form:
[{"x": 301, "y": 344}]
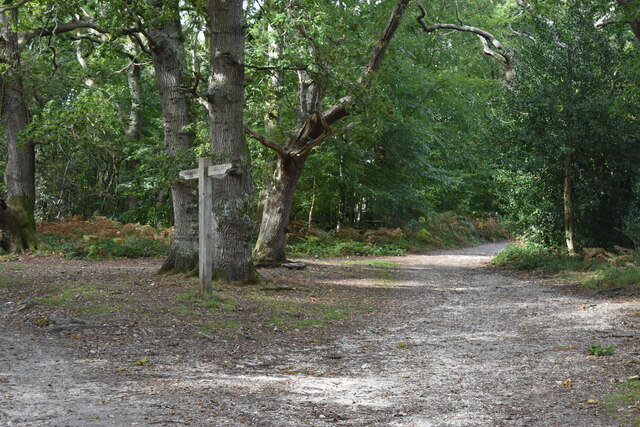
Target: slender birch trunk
[{"x": 569, "y": 217}]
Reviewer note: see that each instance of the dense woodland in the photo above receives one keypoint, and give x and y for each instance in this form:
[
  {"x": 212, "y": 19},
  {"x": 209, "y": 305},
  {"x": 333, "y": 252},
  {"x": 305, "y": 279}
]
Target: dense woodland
[{"x": 335, "y": 115}]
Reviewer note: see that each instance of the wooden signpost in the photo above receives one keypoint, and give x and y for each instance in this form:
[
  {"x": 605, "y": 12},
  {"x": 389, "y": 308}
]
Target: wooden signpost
[{"x": 205, "y": 174}]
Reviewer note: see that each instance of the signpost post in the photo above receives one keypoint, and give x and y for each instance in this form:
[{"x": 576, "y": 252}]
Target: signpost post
[{"x": 205, "y": 174}]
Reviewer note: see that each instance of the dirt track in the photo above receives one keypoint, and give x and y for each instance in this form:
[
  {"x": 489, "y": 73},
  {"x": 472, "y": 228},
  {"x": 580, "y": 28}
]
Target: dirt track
[{"x": 461, "y": 345}]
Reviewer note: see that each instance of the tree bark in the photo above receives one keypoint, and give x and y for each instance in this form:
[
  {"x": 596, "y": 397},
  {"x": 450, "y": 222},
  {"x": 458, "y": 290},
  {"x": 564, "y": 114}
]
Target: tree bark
[
  {"x": 569, "y": 217},
  {"x": 134, "y": 130},
  {"x": 270, "y": 246},
  {"x": 16, "y": 231},
  {"x": 232, "y": 224},
  {"x": 173, "y": 81},
  {"x": 19, "y": 174}
]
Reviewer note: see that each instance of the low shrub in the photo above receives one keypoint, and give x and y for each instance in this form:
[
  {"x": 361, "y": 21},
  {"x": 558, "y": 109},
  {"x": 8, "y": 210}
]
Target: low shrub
[
  {"x": 596, "y": 269},
  {"x": 103, "y": 238},
  {"x": 437, "y": 231}
]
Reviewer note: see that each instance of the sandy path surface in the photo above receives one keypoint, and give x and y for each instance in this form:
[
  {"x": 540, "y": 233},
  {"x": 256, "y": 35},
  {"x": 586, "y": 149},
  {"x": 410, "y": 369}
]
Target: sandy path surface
[{"x": 461, "y": 345}]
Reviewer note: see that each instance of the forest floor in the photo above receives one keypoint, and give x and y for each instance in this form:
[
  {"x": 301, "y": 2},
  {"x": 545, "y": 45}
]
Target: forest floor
[{"x": 440, "y": 339}]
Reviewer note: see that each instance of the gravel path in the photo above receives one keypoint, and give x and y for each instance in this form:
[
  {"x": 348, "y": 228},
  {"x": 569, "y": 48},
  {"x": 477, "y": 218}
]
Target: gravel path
[{"x": 461, "y": 345}]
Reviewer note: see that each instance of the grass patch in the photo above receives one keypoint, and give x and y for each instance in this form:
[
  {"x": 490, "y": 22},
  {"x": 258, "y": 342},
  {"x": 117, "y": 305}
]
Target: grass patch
[
  {"x": 68, "y": 297},
  {"x": 226, "y": 327},
  {"x": 612, "y": 276},
  {"x": 620, "y": 268},
  {"x": 6, "y": 281},
  {"x": 217, "y": 301},
  {"x": 372, "y": 263},
  {"x": 383, "y": 264},
  {"x": 89, "y": 299},
  {"x": 290, "y": 313},
  {"x": 599, "y": 350},
  {"x": 624, "y": 403},
  {"x": 384, "y": 279},
  {"x": 191, "y": 295},
  {"x": 183, "y": 310}
]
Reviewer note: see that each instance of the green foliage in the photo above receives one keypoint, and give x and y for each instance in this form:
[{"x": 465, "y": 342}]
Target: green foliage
[
  {"x": 631, "y": 225},
  {"x": 417, "y": 145},
  {"x": 127, "y": 247},
  {"x": 599, "y": 350},
  {"x": 572, "y": 100}
]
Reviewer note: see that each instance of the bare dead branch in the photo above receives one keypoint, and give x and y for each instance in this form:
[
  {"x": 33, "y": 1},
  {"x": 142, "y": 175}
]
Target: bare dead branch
[
  {"x": 500, "y": 53},
  {"x": 383, "y": 42},
  {"x": 521, "y": 33},
  {"x": 266, "y": 142},
  {"x": 132, "y": 63}
]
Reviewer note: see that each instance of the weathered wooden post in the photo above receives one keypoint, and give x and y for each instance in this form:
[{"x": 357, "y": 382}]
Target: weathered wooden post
[{"x": 205, "y": 173}]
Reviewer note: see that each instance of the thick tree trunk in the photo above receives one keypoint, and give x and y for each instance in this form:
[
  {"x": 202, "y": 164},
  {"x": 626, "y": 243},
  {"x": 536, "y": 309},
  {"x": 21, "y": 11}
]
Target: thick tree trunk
[
  {"x": 17, "y": 232},
  {"x": 183, "y": 255},
  {"x": 19, "y": 173},
  {"x": 232, "y": 233},
  {"x": 173, "y": 80},
  {"x": 568, "y": 204},
  {"x": 269, "y": 247}
]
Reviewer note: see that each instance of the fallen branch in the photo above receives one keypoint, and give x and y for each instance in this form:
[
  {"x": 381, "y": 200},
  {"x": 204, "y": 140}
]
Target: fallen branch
[{"x": 74, "y": 324}]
